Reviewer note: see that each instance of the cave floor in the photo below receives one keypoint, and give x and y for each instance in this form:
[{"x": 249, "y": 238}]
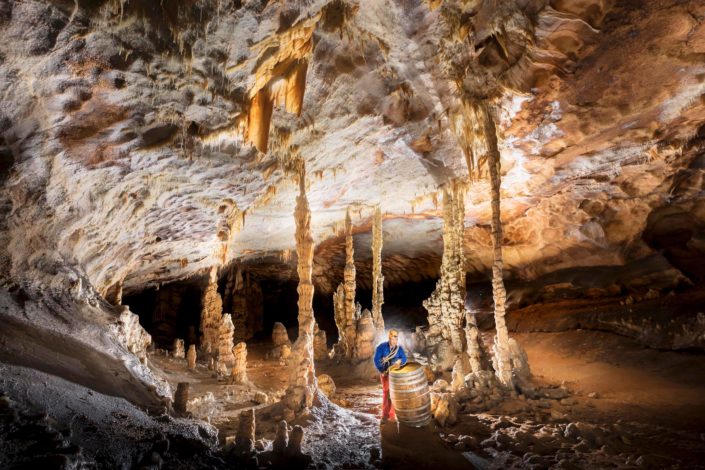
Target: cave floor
[{"x": 622, "y": 406}]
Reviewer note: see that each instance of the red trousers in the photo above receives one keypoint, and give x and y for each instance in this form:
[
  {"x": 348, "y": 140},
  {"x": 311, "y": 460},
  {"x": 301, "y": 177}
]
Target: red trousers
[{"x": 387, "y": 407}]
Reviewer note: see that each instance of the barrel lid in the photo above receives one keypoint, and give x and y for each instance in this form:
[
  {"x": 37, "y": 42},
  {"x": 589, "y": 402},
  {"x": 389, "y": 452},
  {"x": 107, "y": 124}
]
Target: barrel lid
[{"x": 405, "y": 369}]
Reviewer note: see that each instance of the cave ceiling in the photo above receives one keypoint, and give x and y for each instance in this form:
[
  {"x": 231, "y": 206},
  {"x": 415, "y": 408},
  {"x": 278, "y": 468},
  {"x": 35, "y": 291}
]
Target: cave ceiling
[{"x": 144, "y": 142}]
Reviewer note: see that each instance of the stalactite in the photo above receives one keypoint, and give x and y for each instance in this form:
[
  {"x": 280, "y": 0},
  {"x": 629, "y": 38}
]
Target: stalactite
[
  {"x": 259, "y": 118},
  {"x": 377, "y": 277},
  {"x": 302, "y": 381}
]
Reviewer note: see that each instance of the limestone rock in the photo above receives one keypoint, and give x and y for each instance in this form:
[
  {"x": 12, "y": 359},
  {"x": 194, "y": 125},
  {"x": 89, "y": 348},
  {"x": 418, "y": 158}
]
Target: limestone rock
[
  {"x": 444, "y": 408},
  {"x": 326, "y": 385},
  {"x": 245, "y": 440},
  {"x": 365, "y": 336},
  {"x": 130, "y": 333},
  {"x": 178, "y": 349},
  {"x": 191, "y": 356},
  {"x": 225, "y": 340},
  {"x": 211, "y": 313},
  {"x": 280, "y": 336},
  {"x": 181, "y": 397},
  {"x": 320, "y": 344},
  {"x": 239, "y": 372}
]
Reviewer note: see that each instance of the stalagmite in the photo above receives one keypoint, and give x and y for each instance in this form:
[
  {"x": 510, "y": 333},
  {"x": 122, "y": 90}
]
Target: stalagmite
[
  {"x": 191, "y": 356},
  {"x": 365, "y": 336},
  {"x": 320, "y": 344},
  {"x": 281, "y": 440},
  {"x": 281, "y": 342},
  {"x": 326, "y": 385},
  {"x": 349, "y": 288},
  {"x": 181, "y": 397},
  {"x": 210, "y": 314},
  {"x": 239, "y": 372},
  {"x": 302, "y": 381},
  {"x": 245, "y": 439},
  {"x": 340, "y": 321},
  {"x": 178, "y": 349},
  {"x": 446, "y": 306},
  {"x": 377, "y": 277},
  {"x": 225, "y": 340}
]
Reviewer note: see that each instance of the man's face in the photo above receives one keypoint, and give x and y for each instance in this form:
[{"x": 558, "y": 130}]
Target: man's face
[{"x": 393, "y": 338}]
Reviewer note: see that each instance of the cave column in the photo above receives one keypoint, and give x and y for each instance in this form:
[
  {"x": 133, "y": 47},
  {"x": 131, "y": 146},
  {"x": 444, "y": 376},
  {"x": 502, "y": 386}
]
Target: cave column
[
  {"x": 502, "y": 352},
  {"x": 302, "y": 381},
  {"x": 377, "y": 277}
]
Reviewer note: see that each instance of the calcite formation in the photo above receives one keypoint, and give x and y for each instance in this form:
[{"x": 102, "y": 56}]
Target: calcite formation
[
  {"x": 446, "y": 306},
  {"x": 191, "y": 356},
  {"x": 326, "y": 385},
  {"x": 377, "y": 277},
  {"x": 239, "y": 371},
  {"x": 225, "y": 340},
  {"x": 178, "y": 349},
  {"x": 181, "y": 397},
  {"x": 211, "y": 313},
  {"x": 320, "y": 344},
  {"x": 365, "y": 336},
  {"x": 245, "y": 438},
  {"x": 131, "y": 334},
  {"x": 281, "y": 343},
  {"x": 302, "y": 381}
]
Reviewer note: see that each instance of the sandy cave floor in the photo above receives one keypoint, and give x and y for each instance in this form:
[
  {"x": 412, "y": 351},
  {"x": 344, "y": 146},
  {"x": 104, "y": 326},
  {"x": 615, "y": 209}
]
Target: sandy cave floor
[{"x": 614, "y": 404}]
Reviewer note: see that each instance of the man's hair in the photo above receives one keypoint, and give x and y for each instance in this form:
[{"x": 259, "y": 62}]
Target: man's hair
[{"x": 393, "y": 330}]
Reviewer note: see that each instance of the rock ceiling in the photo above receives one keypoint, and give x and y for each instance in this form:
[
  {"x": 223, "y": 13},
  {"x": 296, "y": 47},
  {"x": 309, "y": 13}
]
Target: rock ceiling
[{"x": 144, "y": 142}]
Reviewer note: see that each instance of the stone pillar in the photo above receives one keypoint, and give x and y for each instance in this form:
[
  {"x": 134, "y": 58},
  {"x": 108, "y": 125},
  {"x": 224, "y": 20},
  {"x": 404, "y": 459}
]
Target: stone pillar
[
  {"x": 191, "y": 356},
  {"x": 225, "y": 340},
  {"x": 210, "y": 314},
  {"x": 349, "y": 286},
  {"x": 245, "y": 438},
  {"x": 181, "y": 397},
  {"x": 178, "y": 349},
  {"x": 377, "y": 277},
  {"x": 501, "y": 347},
  {"x": 239, "y": 373},
  {"x": 302, "y": 381},
  {"x": 365, "y": 336},
  {"x": 446, "y": 306}
]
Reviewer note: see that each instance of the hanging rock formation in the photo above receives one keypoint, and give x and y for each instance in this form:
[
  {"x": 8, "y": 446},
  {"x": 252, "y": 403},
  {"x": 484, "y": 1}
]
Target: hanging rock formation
[
  {"x": 211, "y": 312},
  {"x": 377, "y": 277}
]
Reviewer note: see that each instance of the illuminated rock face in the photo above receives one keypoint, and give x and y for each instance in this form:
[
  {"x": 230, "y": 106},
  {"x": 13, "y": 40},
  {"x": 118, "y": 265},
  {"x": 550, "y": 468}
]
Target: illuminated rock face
[
  {"x": 136, "y": 145},
  {"x": 132, "y": 146}
]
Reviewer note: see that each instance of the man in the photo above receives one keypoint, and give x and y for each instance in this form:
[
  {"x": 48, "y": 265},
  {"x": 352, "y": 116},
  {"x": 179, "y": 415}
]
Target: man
[{"x": 388, "y": 354}]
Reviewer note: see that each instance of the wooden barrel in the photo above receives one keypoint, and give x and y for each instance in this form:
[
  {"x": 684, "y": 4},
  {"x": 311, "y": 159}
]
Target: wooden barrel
[{"x": 410, "y": 395}]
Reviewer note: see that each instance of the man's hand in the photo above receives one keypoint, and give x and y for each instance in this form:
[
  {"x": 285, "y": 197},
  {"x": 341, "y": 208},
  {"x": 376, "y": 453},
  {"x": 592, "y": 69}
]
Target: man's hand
[{"x": 397, "y": 363}]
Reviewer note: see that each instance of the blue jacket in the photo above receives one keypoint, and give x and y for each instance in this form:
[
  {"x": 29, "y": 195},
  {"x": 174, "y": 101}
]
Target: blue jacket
[{"x": 382, "y": 351}]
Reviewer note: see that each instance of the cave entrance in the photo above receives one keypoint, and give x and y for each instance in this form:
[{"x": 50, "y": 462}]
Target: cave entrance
[{"x": 170, "y": 312}]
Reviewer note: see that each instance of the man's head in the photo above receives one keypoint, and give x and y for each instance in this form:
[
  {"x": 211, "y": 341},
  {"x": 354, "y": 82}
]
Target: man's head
[{"x": 393, "y": 337}]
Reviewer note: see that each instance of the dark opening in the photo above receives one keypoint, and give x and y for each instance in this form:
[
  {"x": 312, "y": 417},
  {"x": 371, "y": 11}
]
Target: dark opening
[{"x": 169, "y": 313}]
